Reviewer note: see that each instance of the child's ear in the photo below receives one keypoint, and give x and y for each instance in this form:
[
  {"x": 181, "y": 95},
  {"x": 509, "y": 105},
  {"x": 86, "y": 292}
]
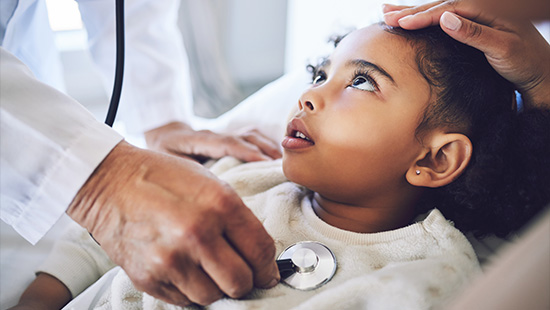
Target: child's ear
[{"x": 443, "y": 160}]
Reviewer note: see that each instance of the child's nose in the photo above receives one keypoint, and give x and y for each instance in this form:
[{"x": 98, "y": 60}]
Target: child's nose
[
  {"x": 306, "y": 105},
  {"x": 312, "y": 100}
]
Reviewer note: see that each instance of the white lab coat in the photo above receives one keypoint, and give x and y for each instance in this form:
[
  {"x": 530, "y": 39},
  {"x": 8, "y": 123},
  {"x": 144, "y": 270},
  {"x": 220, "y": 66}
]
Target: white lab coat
[{"x": 50, "y": 144}]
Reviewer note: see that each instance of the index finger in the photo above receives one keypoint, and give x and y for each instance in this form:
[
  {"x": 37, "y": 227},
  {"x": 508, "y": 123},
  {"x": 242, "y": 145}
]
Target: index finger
[
  {"x": 429, "y": 14},
  {"x": 393, "y": 14},
  {"x": 386, "y": 7},
  {"x": 250, "y": 239},
  {"x": 266, "y": 145}
]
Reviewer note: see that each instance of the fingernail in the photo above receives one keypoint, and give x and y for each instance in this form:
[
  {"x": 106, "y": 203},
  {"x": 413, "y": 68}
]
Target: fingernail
[{"x": 450, "y": 21}]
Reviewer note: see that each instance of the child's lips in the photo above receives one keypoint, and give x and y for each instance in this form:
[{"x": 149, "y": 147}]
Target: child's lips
[{"x": 297, "y": 136}]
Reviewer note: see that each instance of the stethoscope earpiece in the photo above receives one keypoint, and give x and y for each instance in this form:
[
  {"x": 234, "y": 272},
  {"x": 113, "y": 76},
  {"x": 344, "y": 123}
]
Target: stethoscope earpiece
[{"x": 306, "y": 265}]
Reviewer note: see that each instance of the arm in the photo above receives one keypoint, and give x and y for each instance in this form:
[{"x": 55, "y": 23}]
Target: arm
[
  {"x": 184, "y": 218},
  {"x": 44, "y": 293},
  {"x": 49, "y": 147},
  {"x": 75, "y": 263},
  {"x": 513, "y": 47},
  {"x": 134, "y": 202}
]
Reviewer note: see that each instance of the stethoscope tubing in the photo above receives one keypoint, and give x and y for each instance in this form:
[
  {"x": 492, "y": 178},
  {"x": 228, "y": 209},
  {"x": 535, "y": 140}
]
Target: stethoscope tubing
[{"x": 119, "y": 68}]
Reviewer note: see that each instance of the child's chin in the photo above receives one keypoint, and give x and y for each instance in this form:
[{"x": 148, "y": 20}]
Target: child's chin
[{"x": 290, "y": 172}]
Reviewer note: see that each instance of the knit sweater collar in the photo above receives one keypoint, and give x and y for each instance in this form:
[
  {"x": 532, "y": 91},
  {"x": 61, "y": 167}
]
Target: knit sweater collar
[{"x": 434, "y": 218}]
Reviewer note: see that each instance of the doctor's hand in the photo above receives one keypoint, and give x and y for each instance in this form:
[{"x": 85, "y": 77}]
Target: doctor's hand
[
  {"x": 180, "y": 234},
  {"x": 180, "y": 139},
  {"x": 514, "y": 47}
]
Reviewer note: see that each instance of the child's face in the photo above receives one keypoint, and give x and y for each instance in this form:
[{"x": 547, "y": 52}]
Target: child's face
[{"x": 360, "y": 114}]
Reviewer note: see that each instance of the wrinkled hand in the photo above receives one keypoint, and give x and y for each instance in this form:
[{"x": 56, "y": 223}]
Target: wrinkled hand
[
  {"x": 514, "y": 48},
  {"x": 180, "y": 234},
  {"x": 180, "y": 139}
]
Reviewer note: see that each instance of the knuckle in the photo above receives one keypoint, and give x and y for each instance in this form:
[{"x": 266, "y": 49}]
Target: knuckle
[
  {"x": 146, "y": 284},
  {"x": 169, "y": 260},
  {"x": 239, "y": 287},
  {"x": 160, "y": 259},
  {"x": 250, "y": 133},
  {"x": 247, "y": 135},
  {"x": 450, "y": 3},
  {"x": 229, "y": 140},
  {"x": 182, "y": 302},
  {"x": 171, "y": 295},
  {"x": 227, "y": 201},
  {"x": 265, "y": 253},
  {"x": 142, "y": 279},
  {"x": 197, "y": 234},
  {"x": 207, "y": 298},
  {"x": 474, "y": 30}
]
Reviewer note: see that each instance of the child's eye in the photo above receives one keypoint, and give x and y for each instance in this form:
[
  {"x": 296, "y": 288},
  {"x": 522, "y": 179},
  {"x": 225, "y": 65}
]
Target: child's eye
[
  {"x": 319, "y": 77},
  {"x": 363, "y": 83}
]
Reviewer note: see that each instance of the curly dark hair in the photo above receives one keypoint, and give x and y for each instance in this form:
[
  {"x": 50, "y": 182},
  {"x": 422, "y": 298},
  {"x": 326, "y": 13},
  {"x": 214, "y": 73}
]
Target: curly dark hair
[{"x": 508, "y": 179}]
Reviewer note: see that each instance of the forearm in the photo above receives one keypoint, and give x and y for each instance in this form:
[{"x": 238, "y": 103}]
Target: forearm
[
  {"x": 50, "y": 145},
  {"x": 44, "y": 293}
]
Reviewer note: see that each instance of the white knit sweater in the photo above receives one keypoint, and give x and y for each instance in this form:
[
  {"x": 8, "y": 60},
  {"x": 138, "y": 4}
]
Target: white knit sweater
[{"x": 420, "y": 266}]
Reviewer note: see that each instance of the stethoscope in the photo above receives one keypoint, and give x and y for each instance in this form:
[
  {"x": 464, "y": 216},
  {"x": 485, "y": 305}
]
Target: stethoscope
[
  {"x": 305, "y": 265},
  {"x": 119, "y": 68}
]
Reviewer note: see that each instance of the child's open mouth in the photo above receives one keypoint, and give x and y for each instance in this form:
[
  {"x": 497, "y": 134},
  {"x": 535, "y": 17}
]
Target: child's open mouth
[
  {"x": 297, "y": 136},
  {"x": 300, "y": 135}
]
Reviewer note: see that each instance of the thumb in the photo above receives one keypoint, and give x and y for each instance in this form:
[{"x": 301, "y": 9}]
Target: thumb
[{"x": 481, "y": 37}]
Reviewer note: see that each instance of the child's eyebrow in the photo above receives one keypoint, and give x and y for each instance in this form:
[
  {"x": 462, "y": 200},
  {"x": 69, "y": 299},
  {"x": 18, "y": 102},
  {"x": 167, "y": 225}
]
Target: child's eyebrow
[
  {"x": 324, "y": 64},
  {"x": 369, "y": 65}
]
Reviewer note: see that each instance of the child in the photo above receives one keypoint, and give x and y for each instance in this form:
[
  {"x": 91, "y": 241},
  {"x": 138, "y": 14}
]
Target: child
[{"x": 395, "y": 124}]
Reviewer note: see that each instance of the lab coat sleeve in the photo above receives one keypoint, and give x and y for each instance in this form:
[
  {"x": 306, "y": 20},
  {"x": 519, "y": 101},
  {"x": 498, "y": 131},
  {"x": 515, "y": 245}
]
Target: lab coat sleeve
[
  {"x": 157, "y": 87},
  {"x": 50, "y": 145}
]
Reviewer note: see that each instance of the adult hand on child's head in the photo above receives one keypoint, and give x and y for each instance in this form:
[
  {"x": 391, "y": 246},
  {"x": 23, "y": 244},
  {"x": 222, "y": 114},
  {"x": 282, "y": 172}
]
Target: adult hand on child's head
[
  {"x": 514, "y": 47},
  {"x": 180, "y": 233},
  {"x": 180, "y": 139}
]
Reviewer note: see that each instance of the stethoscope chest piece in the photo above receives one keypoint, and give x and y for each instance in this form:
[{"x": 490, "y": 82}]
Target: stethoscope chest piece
[{"x": 306, "y": 265}]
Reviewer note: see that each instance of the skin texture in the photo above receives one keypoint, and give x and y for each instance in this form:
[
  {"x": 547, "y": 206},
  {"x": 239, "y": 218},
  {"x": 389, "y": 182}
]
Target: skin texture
[
  {"x": 513, "y": 47},
  {"x": 44, "y": 293},
  {"x": 363, "y": 132},
  {"x": 180, "y": 139},
  {"x": 164, "y": 215},
  {"x": 183, "y": 218}
]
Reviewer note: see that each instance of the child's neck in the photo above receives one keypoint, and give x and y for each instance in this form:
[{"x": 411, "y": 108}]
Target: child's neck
[{"x": 393, "y": 213}]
